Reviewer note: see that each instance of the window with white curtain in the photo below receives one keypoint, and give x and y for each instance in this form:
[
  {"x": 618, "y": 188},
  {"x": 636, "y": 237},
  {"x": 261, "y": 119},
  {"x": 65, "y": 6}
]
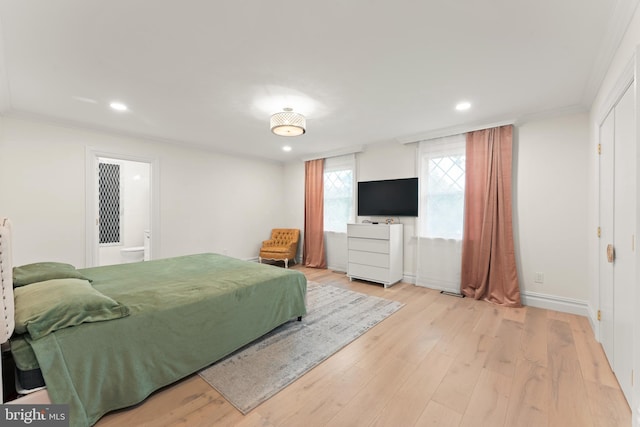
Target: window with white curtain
[
  {"x": 339, "y": 190},
  {"x": 441, "y": 218},
  {"x": 442, "y": 187}
]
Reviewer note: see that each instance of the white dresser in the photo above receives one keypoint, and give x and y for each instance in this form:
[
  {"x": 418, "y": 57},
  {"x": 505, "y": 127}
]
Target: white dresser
[{"x": 375, "y": 252}]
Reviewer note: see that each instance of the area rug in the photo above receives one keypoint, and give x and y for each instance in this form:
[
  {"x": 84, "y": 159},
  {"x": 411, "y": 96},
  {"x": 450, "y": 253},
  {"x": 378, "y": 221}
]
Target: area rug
[{"x": 335, "y": 317}]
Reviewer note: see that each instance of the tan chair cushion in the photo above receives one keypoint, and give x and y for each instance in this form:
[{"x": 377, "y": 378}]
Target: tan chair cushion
[{"x": 283, "y": 244}]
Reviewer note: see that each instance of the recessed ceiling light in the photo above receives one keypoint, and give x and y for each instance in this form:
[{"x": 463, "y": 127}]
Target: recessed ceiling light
[
  {"x": 463, "y": 106},
  {"x": 83, "y": 99},
  {"x": 118, "y": 106},
  {"x": 286, "y": 148}
]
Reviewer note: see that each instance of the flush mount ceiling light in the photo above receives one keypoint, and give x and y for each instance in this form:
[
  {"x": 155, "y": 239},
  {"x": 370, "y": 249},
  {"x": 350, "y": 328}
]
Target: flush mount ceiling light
[
  {"x": 288, "y": 123},
  {"x": 463, "y": 106}
]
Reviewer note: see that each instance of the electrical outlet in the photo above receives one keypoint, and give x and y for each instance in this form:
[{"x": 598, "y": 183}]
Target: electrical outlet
[{"x": 539, "y": 277}]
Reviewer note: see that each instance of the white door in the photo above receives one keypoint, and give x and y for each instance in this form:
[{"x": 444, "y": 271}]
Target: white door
[
  {"x": 606, "y": 235},
  {"x": 624, "y": 240},
  {"x": 617, "y": 224}
]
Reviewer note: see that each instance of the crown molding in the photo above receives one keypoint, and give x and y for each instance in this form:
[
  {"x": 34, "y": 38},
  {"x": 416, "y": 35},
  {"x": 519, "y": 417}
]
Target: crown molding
[
  {"x": 549, "y": 114},
  {"x": 454, "y": 130},
  {"x": 625, "y": 80},
  {"x": 618, "y": 25},
  {"x": 79, "y": 126},
  {"x": 334, "y": 153}
]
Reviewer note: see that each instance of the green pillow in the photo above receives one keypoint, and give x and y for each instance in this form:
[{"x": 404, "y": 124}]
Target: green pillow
[
  {"x": 41, "y": 271},
  {"x": 48, "y": 306}
]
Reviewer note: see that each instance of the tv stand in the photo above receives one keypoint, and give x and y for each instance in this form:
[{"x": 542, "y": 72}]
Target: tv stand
[{"x": 375, "y": 252}]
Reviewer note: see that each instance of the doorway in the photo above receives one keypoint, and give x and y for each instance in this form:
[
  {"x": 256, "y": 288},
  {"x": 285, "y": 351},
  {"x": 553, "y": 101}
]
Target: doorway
[{"x": 121, "y": 208}]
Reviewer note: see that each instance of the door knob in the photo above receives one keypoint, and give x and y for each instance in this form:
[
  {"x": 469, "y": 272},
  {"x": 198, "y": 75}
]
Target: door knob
[{"x": 611, "y": 254}]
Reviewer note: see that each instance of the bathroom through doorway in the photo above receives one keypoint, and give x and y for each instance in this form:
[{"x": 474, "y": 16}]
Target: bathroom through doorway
[{"x": 119, "y": 209}]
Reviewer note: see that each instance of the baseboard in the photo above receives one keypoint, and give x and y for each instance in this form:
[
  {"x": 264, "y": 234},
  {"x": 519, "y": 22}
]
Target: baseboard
[
  {"x": 337, "y": 268},
  {"x": 534, "y": 299},
  {"x": 552, "y": 302},
  {"x": 440, "y": 287},
  {"x": 409, "y": 278}
]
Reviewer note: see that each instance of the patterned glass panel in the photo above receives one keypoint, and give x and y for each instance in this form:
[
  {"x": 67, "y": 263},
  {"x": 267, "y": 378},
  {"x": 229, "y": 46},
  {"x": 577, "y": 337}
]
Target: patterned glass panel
[
  {"x": 109, "y": 202},
  {"x": 338, "y": 200},
  {"x": 445, "y": 196}
]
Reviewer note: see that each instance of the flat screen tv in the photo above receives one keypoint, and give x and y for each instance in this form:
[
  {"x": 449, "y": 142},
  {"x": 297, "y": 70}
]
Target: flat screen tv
[{"x": 391, "y": 197}]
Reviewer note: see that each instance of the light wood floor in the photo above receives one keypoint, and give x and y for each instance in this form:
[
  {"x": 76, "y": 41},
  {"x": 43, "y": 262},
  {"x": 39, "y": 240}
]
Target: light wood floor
[{"x": 438, "y": 361}]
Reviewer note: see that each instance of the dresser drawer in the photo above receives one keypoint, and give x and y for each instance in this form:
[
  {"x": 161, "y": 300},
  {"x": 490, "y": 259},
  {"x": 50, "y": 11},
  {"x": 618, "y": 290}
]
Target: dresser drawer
[
  {"x": 369, "y": 258},
  {"x": 368, "y": 231},
  {"x": 369, "y": 245},
  {"x": 368, "y": 272}
]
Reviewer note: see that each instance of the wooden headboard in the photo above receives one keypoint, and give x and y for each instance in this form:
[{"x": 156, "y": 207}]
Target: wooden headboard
[{"x": 7, "y": 321}]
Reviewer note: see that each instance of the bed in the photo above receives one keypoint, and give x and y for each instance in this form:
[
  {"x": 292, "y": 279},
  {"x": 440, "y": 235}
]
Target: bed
[{"x": 166, "y": 320}]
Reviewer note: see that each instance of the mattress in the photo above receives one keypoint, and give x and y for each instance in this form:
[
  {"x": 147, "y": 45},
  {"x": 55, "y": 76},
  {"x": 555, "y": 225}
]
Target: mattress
[
  {"x": 29, "y": 381},
  {"x": 28, "y": 374}
]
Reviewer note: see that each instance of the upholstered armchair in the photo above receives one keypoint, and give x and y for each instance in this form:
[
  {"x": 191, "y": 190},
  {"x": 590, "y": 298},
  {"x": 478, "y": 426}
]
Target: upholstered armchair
[{"x": 282, "y": 246}]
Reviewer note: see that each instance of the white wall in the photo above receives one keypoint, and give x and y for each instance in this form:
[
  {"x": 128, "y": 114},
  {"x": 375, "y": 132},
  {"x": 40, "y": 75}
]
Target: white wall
[
  {"x": 391, "y": 161},
  {"x": 294, "y": 200},
  {"x": 550, "y": 204},
  {"x": 386, "y": 161},
  {"x": 136, "y": 185},
  {"x": 209, "y": 202}
]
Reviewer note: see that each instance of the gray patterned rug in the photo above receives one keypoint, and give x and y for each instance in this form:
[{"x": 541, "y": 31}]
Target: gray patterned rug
[{"x": 335, "y": 317}]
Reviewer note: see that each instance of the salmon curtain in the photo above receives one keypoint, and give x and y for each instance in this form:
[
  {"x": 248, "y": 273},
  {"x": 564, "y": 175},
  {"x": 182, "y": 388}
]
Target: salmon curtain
[
  {"x": 314, "y": 254},
  {"x": 488, "y": 254}
]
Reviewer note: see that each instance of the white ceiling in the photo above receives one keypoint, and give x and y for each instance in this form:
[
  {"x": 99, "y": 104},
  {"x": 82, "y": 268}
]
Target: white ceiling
[{"x": 210, "y": 73}]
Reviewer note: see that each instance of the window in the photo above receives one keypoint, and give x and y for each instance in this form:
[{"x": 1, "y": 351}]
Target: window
[
  {"x": 339, "y": 177},
  {"x": 442, "y": 190}
]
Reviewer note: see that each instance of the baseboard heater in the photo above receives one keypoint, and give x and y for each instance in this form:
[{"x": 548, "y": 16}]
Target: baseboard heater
[{"x": 453, "y": 294}]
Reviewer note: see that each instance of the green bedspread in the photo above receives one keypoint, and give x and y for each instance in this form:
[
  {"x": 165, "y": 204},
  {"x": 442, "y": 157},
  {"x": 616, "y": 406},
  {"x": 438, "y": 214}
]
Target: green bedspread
[{"x": 186, "y": 313}]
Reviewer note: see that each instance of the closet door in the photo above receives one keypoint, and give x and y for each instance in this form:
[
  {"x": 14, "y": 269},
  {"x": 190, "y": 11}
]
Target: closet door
[
  {"x": 617, "y": 239},
  {"x": 624, "y": 240},
  {"x": 606, "y": 192}
]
